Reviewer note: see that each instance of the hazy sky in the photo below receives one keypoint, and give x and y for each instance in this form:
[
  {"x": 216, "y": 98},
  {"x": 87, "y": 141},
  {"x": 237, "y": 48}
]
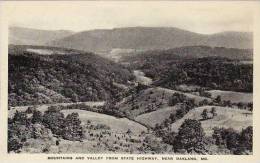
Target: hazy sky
[{"x": 201, "y": 17}]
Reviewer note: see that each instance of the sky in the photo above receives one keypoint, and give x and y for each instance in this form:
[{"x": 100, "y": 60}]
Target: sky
[{"x": 200, "y": 17}]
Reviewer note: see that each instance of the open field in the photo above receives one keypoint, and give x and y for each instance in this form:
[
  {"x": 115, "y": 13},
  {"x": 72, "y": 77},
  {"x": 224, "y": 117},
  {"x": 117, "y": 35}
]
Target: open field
[
  {"x": 141, "y": 78},
  {"x": 234, "y": 97},
  {"x": 158, "y": 116},
  {"x": 226, "y": 118},
  {"x": 116, "y": 124}
]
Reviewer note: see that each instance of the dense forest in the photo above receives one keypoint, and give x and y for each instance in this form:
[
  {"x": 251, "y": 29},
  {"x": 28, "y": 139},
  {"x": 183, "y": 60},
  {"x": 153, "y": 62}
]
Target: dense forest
[
  {"x": 216, "y": 68},
  {"x": 215, "y": 73},
  {"x": 37, "y": 79}
]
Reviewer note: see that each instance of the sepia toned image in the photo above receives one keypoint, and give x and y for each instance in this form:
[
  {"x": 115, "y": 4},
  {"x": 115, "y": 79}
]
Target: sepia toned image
[{"x": 130, "y": 78}]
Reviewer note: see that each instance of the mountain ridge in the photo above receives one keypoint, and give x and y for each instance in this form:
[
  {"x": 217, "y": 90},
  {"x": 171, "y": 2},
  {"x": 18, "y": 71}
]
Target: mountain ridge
[{"x": 140, "y": 38}]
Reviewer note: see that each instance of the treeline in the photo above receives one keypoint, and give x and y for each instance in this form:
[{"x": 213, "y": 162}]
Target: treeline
[{"x": 35, "y": 79}]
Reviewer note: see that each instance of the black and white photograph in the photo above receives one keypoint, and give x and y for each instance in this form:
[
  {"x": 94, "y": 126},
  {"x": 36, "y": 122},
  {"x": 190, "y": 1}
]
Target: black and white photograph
[{"x": 130, "y": 78}]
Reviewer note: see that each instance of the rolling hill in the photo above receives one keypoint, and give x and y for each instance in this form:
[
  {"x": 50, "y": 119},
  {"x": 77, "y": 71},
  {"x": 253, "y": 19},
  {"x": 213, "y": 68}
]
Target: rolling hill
[
  {"x": 148, "y": 38},
  {"x": 226, "y": 118},
  {"x": 40, "y": 79}
]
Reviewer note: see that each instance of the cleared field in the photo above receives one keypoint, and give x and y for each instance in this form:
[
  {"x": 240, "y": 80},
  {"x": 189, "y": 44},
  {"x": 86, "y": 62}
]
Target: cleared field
[
  {"x": 118, "y": 125},
  {"x": 141, "y": 78},
  {"x": 156, "y": 98},
  {"x": 226, "y": 118},
  {"x": 196, "y": 98},
  {"x": 44, "y": 107},
  {"x": 158, "y": 116},
  {"x": 187, "y": 88},
  {"x": 232, "y": 96}
]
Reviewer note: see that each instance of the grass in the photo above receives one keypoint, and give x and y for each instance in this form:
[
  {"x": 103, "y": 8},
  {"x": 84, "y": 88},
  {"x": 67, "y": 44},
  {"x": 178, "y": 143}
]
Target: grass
[
  {"x": 118, "y": 125},
  {"x": 158, "y": 116},
  {"x": 226, "y": 118},
  {"x": 156, "y": 98},
  {"x": 234, "y": 97}
]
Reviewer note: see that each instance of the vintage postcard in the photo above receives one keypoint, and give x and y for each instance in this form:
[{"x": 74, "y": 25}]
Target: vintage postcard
[{"x": 126, "y": 81}]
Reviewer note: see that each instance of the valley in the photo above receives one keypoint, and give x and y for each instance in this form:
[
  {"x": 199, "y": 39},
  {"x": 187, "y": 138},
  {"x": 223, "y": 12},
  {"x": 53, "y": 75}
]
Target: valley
[{"x": 129, "y": 101}]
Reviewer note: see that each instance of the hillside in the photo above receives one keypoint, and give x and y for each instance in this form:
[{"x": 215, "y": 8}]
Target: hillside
[
  {"x": 184, "y": 66},
  {"x": 29, "y": 36},
  {"x": 152, "y": 99},
  {"x": 39, "y": 79},
  {"x": 226, "y": 118},
  {"x": 148, "y": 38}
]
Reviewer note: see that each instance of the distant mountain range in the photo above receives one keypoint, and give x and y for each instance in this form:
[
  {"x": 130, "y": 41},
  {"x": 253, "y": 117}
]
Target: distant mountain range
[
  {"x": 139, "y": 38},
  {"x": 29, "y": 36}
]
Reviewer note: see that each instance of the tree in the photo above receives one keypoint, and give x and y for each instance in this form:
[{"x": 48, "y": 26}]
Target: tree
[
  {"x": 227, "y": 103},
  {"x": 246, "y": 138},
  {"x": 14, "y": 144},
  {"x": 218, "y": 99},
  {"x": 180, "y": 113},
  {"x": 30, "y": 109},
  {"x": 72, "y": 127},
  {"x": 218, "y": 136},
  {"x": 203, "y": 102},
  {"x": 176, "y": 98},
  {"x": 232, "y": 138},
  {"x": 129, "y": 131},
  {"x": 54, "y": 120},
  {"x": 213, "y": 111},
  {"x": 20, "y": 117},
  {"x": 204, "y": 114},
  {"x": 250, "y": 106},
  {"x": 37, "y": 117},
  {"x": 190, "y": 137}
]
